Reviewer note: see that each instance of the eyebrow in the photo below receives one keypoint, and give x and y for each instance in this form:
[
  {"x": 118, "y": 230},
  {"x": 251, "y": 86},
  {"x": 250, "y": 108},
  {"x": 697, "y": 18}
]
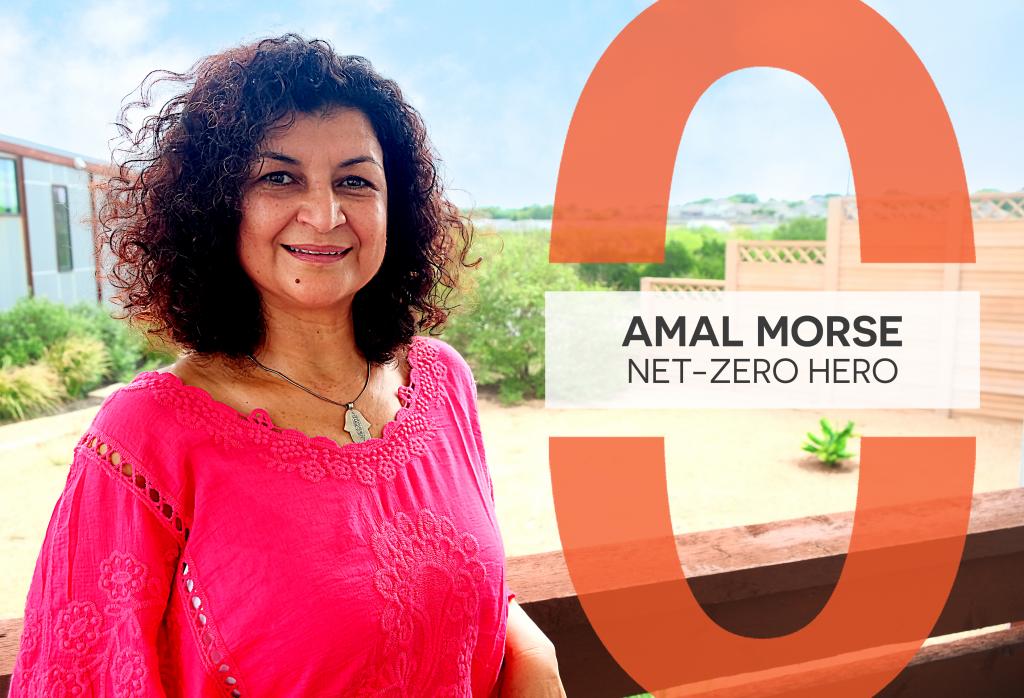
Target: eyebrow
[{"x": 281, "y": 157}]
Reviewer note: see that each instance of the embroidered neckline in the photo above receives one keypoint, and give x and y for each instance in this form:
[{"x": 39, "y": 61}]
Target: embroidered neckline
[{"x": 314, "y": 457}]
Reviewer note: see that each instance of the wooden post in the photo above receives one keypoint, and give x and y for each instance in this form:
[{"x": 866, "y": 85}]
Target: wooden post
[
  {"x": 732, "y": 264},
  {"x": 833, "y": 241},
  {"x": 25, "y": 232},
  {"x": 1022, "y": 458},
  {"x": 950, "y": 282}
]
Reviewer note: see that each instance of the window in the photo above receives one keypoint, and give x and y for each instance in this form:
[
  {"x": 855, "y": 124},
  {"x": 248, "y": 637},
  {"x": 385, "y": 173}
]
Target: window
[
  {"x": 62, "y": 227},
  {"x": 9, "y": 187}
]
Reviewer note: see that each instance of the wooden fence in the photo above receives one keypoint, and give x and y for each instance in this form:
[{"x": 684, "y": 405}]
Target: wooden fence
[
  {"x": 834, "y": 265},
  {"x": 771, "y": 579},
  {"x": 998, "y": 275},
  {"x": 775, "y": 265}
]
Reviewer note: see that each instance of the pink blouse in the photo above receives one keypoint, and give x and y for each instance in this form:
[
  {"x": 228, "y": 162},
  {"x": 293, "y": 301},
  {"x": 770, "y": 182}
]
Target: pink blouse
[{"x": 197, "y": 551}]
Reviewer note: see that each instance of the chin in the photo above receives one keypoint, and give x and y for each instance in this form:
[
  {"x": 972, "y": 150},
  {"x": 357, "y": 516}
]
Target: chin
[{"x": 317, "y": 299}]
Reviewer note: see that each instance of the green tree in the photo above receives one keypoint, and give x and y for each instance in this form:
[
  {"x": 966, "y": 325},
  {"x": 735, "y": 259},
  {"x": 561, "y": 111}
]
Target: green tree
[
  {"x": 678, "y": 262},
  {"x": 499, "y": 326},
  {"x": 620, "y": 277},
  {"x": 802, "y": 228},
  {"x": 709, "y": 259},
  {"x": 744, "y": 198},
  {"x": 532, "y": 212}
]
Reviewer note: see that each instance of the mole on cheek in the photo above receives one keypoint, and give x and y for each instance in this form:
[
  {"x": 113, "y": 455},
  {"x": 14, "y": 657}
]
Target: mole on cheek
[{"x": 297, "y": 281}]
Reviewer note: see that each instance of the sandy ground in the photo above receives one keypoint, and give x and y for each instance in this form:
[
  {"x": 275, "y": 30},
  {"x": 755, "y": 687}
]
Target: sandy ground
[{"x": 725, "y": 468}]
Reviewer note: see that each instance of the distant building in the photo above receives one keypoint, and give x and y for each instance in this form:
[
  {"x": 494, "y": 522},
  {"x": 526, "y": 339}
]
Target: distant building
[{"x": 47, "y": 237}]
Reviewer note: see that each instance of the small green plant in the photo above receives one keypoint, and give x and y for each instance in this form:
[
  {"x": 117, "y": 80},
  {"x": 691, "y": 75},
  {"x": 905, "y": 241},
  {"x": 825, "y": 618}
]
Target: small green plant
[
  {"x": 830, "y": 445},
  {"x": 26, "y": 391}
]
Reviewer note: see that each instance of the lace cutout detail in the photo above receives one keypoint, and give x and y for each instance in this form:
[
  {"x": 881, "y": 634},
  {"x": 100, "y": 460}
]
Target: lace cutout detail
[
  {"x": 89, "y": 642},
  {"x": 121, "y": 468},
  {"x": 428, "y": 576},
  {"x": 315, "y": 458},
  {"x": 214, "y": 652}
]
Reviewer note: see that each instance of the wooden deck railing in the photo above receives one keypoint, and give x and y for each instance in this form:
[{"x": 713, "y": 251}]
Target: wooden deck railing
[{"x": 771, "y": 579}]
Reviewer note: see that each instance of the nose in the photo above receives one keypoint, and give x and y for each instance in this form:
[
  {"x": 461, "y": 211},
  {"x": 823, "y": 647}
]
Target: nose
[{"x": 320, "y": 208}]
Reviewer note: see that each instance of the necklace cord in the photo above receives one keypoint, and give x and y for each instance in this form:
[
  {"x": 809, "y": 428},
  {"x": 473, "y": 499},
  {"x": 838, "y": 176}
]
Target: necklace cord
[{"x": 348, "y": 404}]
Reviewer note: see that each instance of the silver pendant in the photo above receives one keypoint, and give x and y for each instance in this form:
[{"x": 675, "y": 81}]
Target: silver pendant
[{"x": 356, "y": 425}]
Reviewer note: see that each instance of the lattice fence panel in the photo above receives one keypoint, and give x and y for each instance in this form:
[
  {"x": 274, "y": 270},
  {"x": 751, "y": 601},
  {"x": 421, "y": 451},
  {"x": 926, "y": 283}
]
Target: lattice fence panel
[
  {"x": 650, "y": 283},
  {"x": 802, "y": 254},
  {"x": 1009, "y": 206}
]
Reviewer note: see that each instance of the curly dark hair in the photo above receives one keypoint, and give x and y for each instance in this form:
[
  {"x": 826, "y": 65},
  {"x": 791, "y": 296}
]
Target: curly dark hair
[{"x": 172, "y": 211}]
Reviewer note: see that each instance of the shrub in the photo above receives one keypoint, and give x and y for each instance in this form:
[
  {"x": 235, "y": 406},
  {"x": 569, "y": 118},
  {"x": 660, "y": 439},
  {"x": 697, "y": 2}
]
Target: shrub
[
  {"x": 81, "y": 363},
  {"x": 35, "y": 324},
  {"x": 30, "y": 327},
  {"x": 80, "y": 348},
  {"x": 500, "y": 327},
  {"x": 830, "y": 446},
  {"x": 156, "y": 355},
  {"x": 26, "y": 391},
  {"x": 129, "y": 349},
  {"x": 125, "y": 346}
]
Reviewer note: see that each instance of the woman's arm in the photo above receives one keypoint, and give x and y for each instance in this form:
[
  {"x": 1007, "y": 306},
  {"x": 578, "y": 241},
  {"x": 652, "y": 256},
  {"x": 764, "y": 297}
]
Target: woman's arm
[
  {"x": 530, "y": 669},
  {"x": 100, "y": 588}
]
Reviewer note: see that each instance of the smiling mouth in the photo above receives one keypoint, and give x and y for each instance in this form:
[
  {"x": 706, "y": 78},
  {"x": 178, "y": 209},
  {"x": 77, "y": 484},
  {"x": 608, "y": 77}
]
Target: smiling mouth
[{"x": 318, "y": 251}]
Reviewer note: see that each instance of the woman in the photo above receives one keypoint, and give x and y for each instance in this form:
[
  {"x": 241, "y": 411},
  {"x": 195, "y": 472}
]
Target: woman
[{"x": 301, "y": 505}]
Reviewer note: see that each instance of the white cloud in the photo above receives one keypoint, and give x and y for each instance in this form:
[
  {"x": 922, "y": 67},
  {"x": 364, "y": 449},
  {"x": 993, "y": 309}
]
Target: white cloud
[
  {"x": 64, "y": 88},
  {"x": 117, "y": 25},
  {"x": 500, "y": 125}
]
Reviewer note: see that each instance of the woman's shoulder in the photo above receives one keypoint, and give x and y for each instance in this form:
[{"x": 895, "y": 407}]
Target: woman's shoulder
[
  {"x": 456, "y": 368},
  {"x": 143, "y": 422},
  {"x": 438, "y": 351},
  {"x": 133, "y": 408},
  {"x": 135, "y": 434}
]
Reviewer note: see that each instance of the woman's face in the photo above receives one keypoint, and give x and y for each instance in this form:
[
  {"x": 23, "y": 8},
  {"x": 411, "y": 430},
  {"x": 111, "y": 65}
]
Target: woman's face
[{"x": 314, "y": 213}]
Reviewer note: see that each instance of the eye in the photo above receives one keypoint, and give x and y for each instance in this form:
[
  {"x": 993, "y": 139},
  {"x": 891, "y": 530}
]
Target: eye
[
  {"x": 278, "y": 178},
  {"x": 355, "y": 182}
]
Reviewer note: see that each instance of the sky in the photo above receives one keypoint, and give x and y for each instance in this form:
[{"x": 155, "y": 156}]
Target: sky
[{"x": 497, "y": 84}]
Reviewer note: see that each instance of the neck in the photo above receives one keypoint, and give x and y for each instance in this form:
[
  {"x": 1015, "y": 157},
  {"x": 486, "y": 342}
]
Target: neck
[{"x": 317, "y": 349}]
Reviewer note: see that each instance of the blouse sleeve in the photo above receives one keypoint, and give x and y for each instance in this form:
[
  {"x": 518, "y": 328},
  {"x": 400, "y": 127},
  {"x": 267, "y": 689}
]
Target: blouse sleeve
[
  {"x": 100, "y": 587},
  {"x": 478, "y": 437}
]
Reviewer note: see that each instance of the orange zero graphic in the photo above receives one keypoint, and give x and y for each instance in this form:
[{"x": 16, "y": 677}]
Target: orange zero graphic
[{"x": 914, "y": 494}]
